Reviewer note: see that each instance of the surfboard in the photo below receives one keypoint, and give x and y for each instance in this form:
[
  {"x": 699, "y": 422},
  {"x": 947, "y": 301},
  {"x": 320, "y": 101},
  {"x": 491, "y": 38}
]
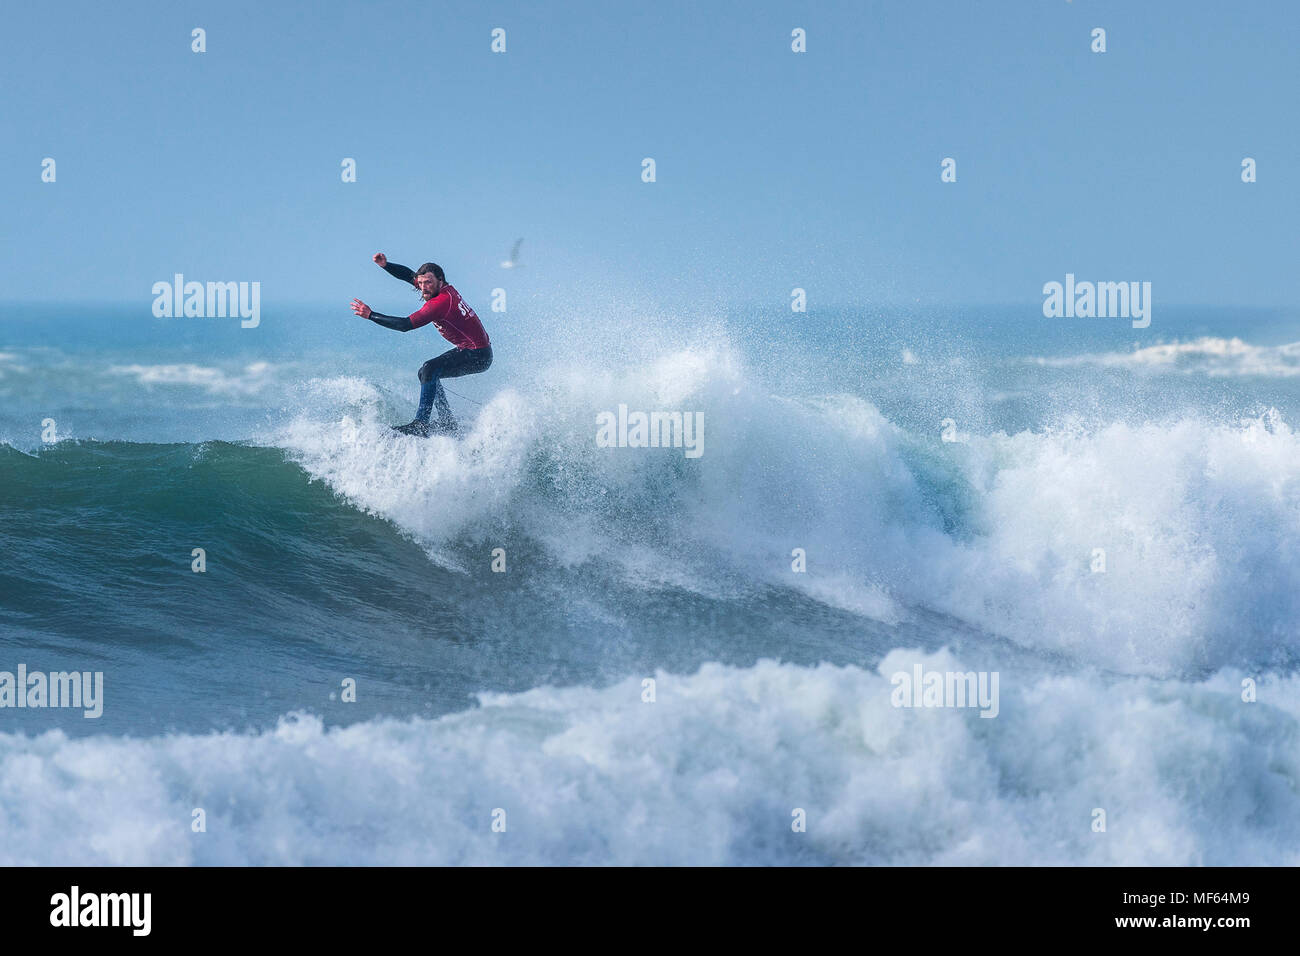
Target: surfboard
[{"x": 457, "y": 432}]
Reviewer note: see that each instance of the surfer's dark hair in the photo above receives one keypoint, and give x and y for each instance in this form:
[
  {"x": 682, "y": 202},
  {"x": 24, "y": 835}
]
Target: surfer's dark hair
[{"x": 434, "y": 268}]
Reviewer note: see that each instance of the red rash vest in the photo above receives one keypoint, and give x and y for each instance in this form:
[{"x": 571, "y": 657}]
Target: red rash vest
[{"x": 453, "y": 318}]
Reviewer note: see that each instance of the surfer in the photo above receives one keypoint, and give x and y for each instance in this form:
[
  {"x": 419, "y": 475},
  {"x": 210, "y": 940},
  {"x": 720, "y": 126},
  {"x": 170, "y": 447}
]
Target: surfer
[{"x": 455, "y": 320}]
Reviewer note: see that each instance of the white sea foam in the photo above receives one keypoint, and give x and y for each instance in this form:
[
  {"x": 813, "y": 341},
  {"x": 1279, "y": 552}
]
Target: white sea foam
[
  {"x": 1207, "y": 355},
  {"x": 1198, "y": 521},
  {"x": 710, "y": 773},
  {"x": 251, "y": 379},
  {"x": 431, "y": 488}
]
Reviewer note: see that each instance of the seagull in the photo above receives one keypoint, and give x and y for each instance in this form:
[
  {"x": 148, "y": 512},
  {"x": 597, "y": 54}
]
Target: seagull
[{"x": 514, "y": 256}]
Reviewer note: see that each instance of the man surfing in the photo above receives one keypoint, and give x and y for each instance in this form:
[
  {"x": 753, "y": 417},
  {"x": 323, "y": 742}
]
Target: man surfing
[{"x": 458, "y": 324}]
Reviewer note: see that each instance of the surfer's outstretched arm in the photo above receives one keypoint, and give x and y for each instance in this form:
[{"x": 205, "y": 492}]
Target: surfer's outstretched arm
[
  {"x": 400, "y": 272},
  {"x": 398, "y": 323},
  {"x": 394, "y": 269}
]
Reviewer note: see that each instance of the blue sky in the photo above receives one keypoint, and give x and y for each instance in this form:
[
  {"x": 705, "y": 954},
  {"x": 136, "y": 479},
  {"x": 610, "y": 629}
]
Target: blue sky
[{"x": 775, "y": 169}]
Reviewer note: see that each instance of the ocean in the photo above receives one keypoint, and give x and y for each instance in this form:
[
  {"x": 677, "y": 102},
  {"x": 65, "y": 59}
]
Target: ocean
[{"x": 523, "y": 647}]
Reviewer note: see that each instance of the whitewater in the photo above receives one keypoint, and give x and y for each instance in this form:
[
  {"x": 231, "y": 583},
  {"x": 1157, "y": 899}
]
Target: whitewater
[{"x": 1160, "y": 689}]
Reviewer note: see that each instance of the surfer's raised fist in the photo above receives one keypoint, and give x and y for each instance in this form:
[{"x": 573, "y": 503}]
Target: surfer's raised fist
[{"x": 381, "y": 260}]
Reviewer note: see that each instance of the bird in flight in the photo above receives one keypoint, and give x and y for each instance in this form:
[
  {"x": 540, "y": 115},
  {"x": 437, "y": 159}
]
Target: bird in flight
[{"x": 514, "y": 256}]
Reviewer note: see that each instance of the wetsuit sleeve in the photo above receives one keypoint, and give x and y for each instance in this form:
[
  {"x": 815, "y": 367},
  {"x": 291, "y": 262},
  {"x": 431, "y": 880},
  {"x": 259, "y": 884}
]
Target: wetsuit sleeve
[
  {"x": 398, "y": 323},
  {"x": 400, "y": 272}
]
